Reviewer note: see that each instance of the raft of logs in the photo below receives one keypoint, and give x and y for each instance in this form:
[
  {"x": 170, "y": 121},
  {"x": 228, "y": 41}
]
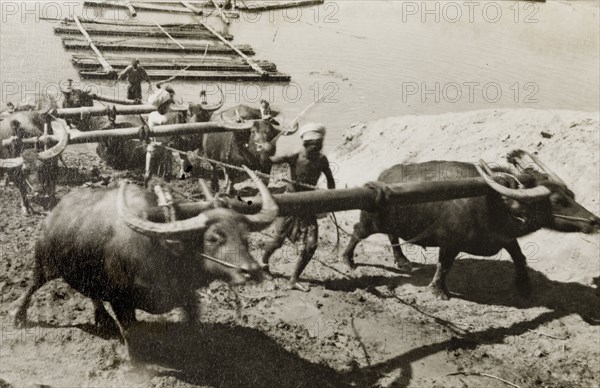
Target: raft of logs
[
  {"x": 192, "y": 51},
  {"x": 173, "y": 7}
]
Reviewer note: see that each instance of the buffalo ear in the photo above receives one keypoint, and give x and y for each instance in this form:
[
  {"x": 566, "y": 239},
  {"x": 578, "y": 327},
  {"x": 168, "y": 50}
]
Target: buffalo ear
[{"x": 274, "y": 121}]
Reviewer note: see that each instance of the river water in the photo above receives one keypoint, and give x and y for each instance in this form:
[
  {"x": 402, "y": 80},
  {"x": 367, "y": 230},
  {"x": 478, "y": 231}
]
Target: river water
[{"x": 370, "y": 59}]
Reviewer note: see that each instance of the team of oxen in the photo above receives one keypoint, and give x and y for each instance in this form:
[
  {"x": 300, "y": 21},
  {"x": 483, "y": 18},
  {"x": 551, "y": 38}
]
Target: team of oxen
[{"x": 88, "y": 236}]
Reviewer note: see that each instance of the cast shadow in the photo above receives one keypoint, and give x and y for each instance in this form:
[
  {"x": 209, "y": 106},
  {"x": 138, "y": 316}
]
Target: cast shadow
[{"x": 225, "y": 356}]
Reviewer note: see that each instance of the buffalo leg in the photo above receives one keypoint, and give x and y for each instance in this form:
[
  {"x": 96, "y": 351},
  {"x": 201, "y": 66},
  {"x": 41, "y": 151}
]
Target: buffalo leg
[
  {"x": 102, "y": 318},
  {"x": 361, "y": 231},
  {"x": 401, "y": 260},
  {"x": 521, "y": 277},
  {"x": 190, "y": 308},
  {"x": 26, "y": 207},
  {"x": 125, "y": 316},
  {"x": 39, "y": 279},
  {"x": 125, "y": 319},
  {"x": 438, "y": 284}
]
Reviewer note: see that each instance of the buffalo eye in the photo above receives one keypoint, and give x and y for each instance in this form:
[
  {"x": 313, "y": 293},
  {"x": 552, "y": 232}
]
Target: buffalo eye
[
  {"x": 215, "y": 239},
  {"x": 559, "y": 200}
]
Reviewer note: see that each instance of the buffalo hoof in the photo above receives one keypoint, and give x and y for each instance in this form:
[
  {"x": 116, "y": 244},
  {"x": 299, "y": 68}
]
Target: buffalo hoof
[{"x": 439, "y": 293}]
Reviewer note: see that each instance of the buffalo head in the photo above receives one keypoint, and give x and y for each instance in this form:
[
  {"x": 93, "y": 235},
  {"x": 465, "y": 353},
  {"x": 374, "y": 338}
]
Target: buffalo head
[
  {"x": 77, "y": 98},
  {"x": 265, "y": 130},
  {"x": 200, "y": 113},
  {"x": 539, "y": 195},
  {"x": 218, "y": 235}
]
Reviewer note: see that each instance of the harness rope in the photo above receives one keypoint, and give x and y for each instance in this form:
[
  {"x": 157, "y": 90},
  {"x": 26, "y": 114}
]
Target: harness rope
[
  {"x": 267, "y": 176},
  {"x": 237, "y": 168},
  {"x": 166, "y": 202}
]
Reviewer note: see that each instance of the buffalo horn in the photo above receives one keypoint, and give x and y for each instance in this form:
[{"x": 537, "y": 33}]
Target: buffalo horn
[
  {"x": 545, "y": 169},
  {"x": 215, "y": 107},
  {"x": 59, "y": 127},
  {"x": 286, "y": 132},
  {"x": 269, "y": 210},
  {"x": 528, "y": 195},
  {"x": 173, "y": 230}
]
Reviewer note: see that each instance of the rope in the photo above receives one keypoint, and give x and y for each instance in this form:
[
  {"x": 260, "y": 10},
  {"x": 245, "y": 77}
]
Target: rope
[{"x": 237, "y": 168}]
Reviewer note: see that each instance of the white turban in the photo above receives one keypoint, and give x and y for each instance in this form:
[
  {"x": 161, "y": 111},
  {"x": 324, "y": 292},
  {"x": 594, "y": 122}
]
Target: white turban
[
  {"x": 312, "y": 131},
  {"x": 160, "y": 97}
]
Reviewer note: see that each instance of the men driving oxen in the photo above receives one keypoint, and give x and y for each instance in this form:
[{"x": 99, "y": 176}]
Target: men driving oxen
[
  {"x": 252, "y": 147},
  {"x": 28, "y": 169}
]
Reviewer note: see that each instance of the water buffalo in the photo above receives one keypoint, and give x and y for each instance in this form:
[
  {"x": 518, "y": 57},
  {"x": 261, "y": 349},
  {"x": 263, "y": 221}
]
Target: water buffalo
[
  {"x": 103, "y": 243},
  {"x": 127, "y": 154},
  {"x": 77, "y": 98},
  {"x": 250, "y": 147},
  {"x": 26, "y": 168},
  {"x": 521, "y": 204},
  {"x": 193, "y": 113}
]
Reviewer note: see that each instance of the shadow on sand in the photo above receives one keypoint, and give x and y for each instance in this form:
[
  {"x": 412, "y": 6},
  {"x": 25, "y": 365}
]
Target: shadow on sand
[
  {"x": 488, "y": 282},
  {"x": 234, "y": 356},
  {"x": 225, "y": 356}
]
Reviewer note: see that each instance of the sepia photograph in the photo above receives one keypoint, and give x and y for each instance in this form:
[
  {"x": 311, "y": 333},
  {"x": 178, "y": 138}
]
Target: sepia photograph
[{"x": 300, "y": 193}]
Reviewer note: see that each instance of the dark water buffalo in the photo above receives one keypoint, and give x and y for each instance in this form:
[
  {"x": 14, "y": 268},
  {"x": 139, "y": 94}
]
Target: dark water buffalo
[
  {"x": 522, "y": 204},
  {"x": 103, "y": 245},
  {"x": 27, "y": 168},
  {"x": 194, "y": 113},
  {"x": 76, "y": 98},
  {"x": 249, "y": 147},
  {"x": 127, "y": 154}
]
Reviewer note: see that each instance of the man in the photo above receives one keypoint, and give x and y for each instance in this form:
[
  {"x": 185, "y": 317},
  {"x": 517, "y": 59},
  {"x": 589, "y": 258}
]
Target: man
[
  {"x": 306, "y": 167},
  {"x": 135, "y": 75},
  {"x": 162, "y": 100}
]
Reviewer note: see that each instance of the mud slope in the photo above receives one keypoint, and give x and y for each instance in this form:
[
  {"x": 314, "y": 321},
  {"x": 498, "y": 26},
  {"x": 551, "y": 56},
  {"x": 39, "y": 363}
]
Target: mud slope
[{"x": 375, "y": 326}]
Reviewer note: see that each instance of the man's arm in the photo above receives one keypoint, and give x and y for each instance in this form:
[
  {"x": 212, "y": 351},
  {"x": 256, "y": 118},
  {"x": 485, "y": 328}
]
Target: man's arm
[
  {"x": 278, "y": 159},
  {"x": 124, "y": 72},
  {"x": 145, "y": 76},
  {"x": 328, "y": 174}
]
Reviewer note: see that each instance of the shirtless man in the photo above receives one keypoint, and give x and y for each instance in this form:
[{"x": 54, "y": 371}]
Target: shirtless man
[
  {"x": 162, "y": 100},
  {"x": 135, "y": 75},
  {"x": 305, "y": 166}
]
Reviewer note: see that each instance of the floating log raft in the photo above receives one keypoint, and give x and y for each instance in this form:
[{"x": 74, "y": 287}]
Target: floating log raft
[
  {"x": 160, "y": 46},
  {"x": 138, "y": 31},
  {"x": 193, "y": 51},
  {"x": 91, "y": 63},
  {"x": 254, "y": 5},
  {"x": 268, "y": 4},
  {"x": 139, "y": 6},
  {"x": 200, "y": 75}
]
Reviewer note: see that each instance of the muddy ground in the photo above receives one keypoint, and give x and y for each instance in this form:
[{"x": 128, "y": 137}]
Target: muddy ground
[{"x": 376, "y": 326}]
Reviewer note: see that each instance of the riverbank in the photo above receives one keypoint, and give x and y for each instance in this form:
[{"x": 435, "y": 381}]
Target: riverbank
[{"x": 376, "y": 326}]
